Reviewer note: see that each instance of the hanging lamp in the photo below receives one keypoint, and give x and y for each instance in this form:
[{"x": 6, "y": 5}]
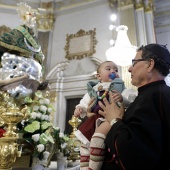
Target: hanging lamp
[{"x": 122, "y": 52}]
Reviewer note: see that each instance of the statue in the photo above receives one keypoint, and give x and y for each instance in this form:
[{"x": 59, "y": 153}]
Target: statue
[
  {"x": 21, "y": 58},
  {"x": 21, "y": 70}
]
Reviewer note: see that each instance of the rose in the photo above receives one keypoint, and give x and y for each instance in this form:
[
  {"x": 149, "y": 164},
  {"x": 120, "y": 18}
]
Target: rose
[
  {"x": 40, "y": 147},
  {"x": 35, "y": 108},
  {"x": 36, "y": 137},
  {"x": 43, "y": 108}
]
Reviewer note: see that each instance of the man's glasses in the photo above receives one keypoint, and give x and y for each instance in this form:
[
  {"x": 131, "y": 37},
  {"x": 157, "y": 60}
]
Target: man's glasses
[{"x": 135, "y": 61}]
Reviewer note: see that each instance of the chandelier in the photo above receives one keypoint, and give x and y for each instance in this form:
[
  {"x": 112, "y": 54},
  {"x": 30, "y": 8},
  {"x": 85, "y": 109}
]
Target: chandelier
[{"x": 122, "y": 52}]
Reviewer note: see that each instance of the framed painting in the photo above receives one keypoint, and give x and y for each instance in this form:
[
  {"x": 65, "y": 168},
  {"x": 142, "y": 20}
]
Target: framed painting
[{"x": 79, "y": 45}]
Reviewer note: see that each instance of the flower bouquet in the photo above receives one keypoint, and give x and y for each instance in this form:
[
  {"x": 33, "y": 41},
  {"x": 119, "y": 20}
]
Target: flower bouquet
[{"x": 38, "y": 130}]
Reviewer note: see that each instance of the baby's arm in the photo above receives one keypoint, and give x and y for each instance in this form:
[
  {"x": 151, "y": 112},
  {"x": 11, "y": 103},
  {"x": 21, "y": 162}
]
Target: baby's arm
[
  {"x": 81, "y": 108},
  {"x": 78, "y": 111}
]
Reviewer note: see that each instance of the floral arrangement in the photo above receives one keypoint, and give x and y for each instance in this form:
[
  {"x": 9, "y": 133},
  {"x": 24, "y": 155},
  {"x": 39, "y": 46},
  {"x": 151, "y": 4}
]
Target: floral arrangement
[
  {"x": 37, "y": 128},
  {"x": 40, "y": 132}
]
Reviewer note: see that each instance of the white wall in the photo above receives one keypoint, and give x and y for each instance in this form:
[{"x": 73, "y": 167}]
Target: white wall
[
  {"x": 164, "y": 38},
  {"x": 11, "y": 20},
  {"x": 87, "y": 19}
]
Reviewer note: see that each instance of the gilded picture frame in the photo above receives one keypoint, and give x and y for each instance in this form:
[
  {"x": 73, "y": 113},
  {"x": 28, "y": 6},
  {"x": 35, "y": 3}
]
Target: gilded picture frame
[{"x": 82, "y": 44}]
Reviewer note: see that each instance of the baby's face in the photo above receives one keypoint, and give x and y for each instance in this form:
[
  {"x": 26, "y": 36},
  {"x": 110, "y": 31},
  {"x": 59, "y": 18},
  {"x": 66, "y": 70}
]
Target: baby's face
[{"x": 105, "y": 70}]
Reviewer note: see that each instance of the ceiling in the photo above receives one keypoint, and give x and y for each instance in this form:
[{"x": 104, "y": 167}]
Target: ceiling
[{"x": 161, "y": 13}]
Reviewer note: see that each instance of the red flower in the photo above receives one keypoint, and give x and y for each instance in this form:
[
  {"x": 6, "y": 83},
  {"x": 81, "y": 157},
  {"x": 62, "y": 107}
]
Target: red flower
[{"x": 2, "y": 131}]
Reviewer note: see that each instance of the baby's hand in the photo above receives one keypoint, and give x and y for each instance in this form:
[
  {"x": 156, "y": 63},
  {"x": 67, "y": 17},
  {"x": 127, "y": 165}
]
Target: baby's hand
[
  {"x": 117, "y": 97},
  {"x": 89, "y": 114},
  {"x": 78, "y": 111}
]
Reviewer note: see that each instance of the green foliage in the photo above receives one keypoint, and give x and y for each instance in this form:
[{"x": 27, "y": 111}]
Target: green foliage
[{"x": 32, "y": 127}]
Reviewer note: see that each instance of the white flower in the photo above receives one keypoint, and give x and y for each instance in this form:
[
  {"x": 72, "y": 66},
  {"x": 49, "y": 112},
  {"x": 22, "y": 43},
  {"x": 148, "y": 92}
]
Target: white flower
[
  {"x": 35, "y": 108},
  {"x": 63, "y": 145},
  {"x": 46, "y": 117},
  {"x": 43, "y": 117},
  {"x": 33, "y": 115},
  {"x": 61, "y": 135},
  {"x": 36, "y": 137},
  {"x": 46, "y": 154},
  {"x": 38, "y": 115},
  {"x": 22, "y": 122},
  {"x": 43, "y": 108},
  {"x": 50, "y": 109},
  {"x": 57, "y": 128},
  {"x": 40, "y": 147},
  {"x": 46, "y": 101},
  {"x": 41, "y": 101}
]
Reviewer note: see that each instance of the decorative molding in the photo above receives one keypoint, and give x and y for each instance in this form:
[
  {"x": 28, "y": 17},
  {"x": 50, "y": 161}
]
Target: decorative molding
[
  {"x": 57, "y": 71},
  {"x": 81, "y": 44},
  {"x": 148, "y": 5}
]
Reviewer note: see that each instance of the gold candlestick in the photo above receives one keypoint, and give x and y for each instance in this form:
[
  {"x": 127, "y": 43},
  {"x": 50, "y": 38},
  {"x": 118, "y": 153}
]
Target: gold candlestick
[
  {"x": 10, "y": 114},
  {"x": 75, "y": 144},
  {"x": 74, "y": 122}
]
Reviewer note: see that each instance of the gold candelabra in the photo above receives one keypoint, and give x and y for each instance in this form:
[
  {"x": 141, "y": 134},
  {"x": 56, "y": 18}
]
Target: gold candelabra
[
  {"x": 10, "y": 115},
  {"x": 75, "y": 145}
]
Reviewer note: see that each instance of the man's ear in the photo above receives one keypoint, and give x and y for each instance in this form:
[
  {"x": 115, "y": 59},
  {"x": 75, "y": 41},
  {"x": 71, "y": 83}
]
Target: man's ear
[{"x": 151, "y": 64}]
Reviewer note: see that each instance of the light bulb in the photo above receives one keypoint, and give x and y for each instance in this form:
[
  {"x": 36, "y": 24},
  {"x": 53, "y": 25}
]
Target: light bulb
[{"x": 113, "y": 17}]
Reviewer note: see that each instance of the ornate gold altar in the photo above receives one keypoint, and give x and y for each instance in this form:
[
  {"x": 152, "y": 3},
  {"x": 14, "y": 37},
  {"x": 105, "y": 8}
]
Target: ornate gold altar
[{"x": 10, "y": 115}]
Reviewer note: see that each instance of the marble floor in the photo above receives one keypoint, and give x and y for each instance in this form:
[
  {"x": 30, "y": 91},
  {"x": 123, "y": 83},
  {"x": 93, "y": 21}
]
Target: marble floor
[{"x": 53, "y": 166}]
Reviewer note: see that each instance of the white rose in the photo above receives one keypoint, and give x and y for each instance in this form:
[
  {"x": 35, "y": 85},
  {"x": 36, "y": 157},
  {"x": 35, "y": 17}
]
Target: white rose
[
  {"x": 23, "y": 122},
  {"x": 63, "y": 145},
  {"x": 43, "y": 117},
  {"x": 41, "y": 101},
  {"x": 43, "y": 108},
  {"x": 35, "y": 108},
  {"x": 57, "y": 128},
  {"x": 40, "y": 147},
  {"x": 61, "y": 135},
  {"x": 36, "y": 137},
  {"x": 33, "y": 115},
  {"x": 50, "y": 109},
  {"x": 46, "y": 117},
  {"x": 46, "y": 101},
  {"x": 39, "y": 115}
]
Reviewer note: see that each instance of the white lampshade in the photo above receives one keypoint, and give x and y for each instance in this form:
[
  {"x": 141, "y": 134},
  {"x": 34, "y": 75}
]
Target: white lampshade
[{"x": 123, "y": 52}]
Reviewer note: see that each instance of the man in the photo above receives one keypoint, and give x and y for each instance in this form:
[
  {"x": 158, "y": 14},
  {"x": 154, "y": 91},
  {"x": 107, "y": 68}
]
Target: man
[{"x": 139, "y": 138}]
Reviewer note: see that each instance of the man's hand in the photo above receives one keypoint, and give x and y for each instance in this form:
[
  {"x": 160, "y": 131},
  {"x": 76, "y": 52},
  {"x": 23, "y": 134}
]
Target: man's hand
[
  {"x": 117, "y": 97},
  {"x": 110, "y": 109}
]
